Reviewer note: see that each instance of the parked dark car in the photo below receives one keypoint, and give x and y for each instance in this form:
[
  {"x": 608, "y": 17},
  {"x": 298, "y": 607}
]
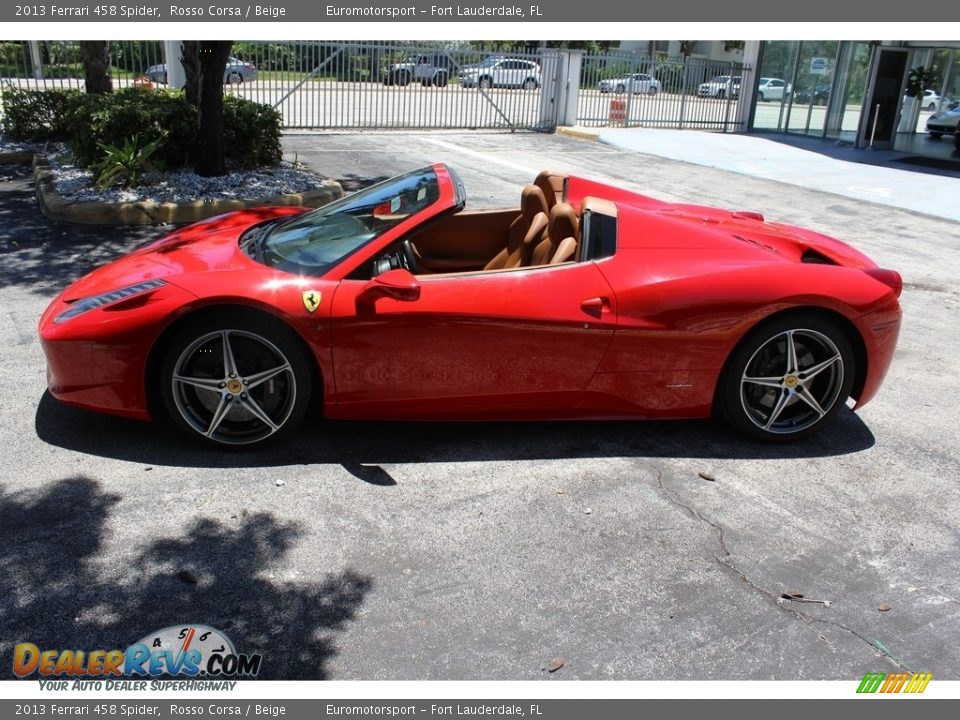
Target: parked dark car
[{"x": 820, "y": 94}]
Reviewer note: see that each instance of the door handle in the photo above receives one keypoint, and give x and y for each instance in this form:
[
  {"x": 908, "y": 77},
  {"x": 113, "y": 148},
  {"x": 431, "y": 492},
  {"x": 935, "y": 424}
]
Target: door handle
[{"x": 596, "y": 306}]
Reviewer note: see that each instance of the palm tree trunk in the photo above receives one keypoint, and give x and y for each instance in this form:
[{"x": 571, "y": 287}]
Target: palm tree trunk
[
  {"x": 95, "y": 55},
  {"x": 213, "y": 60}
]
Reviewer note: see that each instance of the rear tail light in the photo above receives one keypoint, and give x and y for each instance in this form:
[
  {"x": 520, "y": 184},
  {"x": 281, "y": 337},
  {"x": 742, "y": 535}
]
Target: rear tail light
[{"x": 890, "y": 278}]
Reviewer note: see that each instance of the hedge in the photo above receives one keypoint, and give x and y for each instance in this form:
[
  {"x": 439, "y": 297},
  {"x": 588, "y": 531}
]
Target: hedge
[{"x": 251, "y": 130}]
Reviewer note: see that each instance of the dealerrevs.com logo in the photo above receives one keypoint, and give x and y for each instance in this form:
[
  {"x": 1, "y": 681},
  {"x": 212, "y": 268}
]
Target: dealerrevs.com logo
[{"x": 185, "y": 651}]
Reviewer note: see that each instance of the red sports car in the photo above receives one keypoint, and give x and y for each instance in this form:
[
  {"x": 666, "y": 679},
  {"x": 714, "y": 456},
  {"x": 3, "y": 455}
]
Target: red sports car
[{"x": 585, "y": 301}]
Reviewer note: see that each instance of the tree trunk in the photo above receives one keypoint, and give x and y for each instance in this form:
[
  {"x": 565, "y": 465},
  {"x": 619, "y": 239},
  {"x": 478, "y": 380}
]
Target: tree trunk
[
  {"x": 96, "y": 66},
  {"x": 213, "y": 60},
  {"x": 190, "y": 59}
]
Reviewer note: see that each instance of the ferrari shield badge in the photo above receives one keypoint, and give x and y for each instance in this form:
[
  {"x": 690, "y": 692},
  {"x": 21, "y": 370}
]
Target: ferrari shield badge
[{"x": 311, "y": 300}]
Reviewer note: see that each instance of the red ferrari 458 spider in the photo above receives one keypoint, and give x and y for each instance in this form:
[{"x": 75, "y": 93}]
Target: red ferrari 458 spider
[{"x": 586, "y": 301}]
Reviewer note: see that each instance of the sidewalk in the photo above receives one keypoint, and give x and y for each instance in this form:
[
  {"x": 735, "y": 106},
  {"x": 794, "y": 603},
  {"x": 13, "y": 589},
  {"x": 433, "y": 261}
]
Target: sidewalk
[{"x": 761, "y": 157}]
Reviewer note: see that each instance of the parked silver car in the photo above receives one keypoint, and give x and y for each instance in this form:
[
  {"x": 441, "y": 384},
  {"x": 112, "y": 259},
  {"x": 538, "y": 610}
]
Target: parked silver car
[
  {"x": 501, "y": 72},
  {"x": 721, "y": 86},
  {"x": 235, "y": 72},
  {"x": 944, "y": 122},
  {"x": 631, "y": 82}
]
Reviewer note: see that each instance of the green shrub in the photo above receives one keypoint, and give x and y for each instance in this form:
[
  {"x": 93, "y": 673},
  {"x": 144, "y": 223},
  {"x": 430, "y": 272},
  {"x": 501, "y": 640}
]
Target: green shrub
[
  {"x": 251, "y": 133},
  {"x": 36, "y": 116},
  {"x": 125, "y": 163},
  {"x": 87, "y": 122},
  {"x": 95, "y": 120}
]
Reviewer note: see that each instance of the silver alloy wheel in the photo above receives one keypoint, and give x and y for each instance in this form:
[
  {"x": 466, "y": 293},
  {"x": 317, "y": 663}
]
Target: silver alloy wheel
[
  {"x": 233, "y": 387},
  {"x": 792, "y": 381}
]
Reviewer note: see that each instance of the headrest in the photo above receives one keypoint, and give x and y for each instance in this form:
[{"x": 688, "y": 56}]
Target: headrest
[
  {"x": 551, "y": 182},
  {"x": 532, "y": 202},
  {"x": 563, "y": 222}
]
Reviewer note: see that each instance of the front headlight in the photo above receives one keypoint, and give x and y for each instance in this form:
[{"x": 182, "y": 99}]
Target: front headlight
[{"x": 79, "y": 307}]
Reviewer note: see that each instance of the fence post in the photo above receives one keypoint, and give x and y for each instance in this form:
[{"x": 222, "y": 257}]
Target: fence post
[{"x": 176, "y": 76}]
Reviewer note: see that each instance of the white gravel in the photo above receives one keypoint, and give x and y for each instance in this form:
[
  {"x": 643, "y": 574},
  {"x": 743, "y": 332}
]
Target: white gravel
[{"x": 76, "y": 184}]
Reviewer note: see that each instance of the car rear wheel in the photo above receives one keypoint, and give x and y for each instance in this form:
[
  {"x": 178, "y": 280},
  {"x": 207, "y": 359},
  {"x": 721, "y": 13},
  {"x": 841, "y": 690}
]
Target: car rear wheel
[
  {"x": 936, "y": 135},
  {"x": 620, "y": 88},
  {"x": 721, "y": 94},
  {"x": 760, "y": 97},
  {"x": 652, "y": 90},
  {"x": 234, "y": 78},
  {"x": 787, "y": 379},
  {"x": 530, "y": 84},
  {"x": 440, "y": 80},
  {"x": 236, "y": 382},
  {"x": 403, "y": 79},
  {"x": 485, "y": 82}
]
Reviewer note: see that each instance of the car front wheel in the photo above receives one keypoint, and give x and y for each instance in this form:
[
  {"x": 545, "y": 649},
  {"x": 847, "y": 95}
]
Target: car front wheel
[
  {"x": 787, "y": 379},
  {"x": 234, "y": 78},
  {"x": 235, "y": 382}
]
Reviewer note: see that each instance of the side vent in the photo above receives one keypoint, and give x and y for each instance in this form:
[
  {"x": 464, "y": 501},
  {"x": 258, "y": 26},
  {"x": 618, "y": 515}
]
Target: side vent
[{"x": 812, "y": 256}]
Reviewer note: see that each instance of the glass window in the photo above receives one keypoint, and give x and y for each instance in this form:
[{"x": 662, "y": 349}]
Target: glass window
[{"x": 311, "y": 244}]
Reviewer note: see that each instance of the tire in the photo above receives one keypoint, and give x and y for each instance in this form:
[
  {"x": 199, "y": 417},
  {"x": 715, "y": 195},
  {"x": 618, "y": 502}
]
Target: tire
[
  {"x": 261, "y": 397},
  {"x": 403, "y": 79},
  {"x": 441, "y": 80},
  {"x": 936, "y": 135},
  {"x": 234, "y": 78},
  {"x": 789, "y": 403},
  {"x": 620, "y": 89},
  {"x": 721, "y": 94},
  {"x": 956, "y": 140},
  {"x": 821, "y": 101},
  {"x": 164, "y": 79},
  {"x": 530, "y": 84},
  {"x": 760, "y": 97},
  {"x": 426, "y": 82},
  {"x": 652, "y": 90},
  {"x": 485, "y": 82}
]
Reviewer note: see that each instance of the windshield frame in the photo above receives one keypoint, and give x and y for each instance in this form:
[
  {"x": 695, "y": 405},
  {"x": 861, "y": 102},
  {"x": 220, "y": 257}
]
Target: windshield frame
[{"x": 304, "y": 235}]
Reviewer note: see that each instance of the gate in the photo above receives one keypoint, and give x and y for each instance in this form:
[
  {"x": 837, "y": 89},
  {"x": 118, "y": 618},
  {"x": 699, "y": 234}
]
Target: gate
[{"x": 690, "y": 93}]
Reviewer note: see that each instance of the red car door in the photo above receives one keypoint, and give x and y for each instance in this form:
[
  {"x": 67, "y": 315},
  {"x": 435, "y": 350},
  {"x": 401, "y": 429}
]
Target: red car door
[{"x": 519, "y": 343}]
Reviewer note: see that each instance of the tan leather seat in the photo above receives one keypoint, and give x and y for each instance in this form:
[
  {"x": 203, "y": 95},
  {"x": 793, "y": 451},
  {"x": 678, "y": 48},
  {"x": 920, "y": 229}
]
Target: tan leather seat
[
  {"x": 563, "y": 235},
  {"x": 524, "y": 233},
  {"x": 551, "y": 182}
]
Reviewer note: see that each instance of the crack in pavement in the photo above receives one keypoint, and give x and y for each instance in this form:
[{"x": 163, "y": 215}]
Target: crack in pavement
[{"x": 725, "y": 560}]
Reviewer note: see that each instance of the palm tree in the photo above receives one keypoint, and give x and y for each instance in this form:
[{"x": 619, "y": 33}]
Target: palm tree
[
  {"x": 213, "y": 59},
  {"x": 95, "y": 55}
]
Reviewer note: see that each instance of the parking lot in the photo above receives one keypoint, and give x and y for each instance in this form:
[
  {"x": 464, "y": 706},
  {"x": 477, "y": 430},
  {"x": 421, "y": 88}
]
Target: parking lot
[{"x": 485, "y": 551}]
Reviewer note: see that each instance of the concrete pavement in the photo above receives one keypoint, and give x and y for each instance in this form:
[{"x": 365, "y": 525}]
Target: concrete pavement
[{"x": 762, "y": 157}]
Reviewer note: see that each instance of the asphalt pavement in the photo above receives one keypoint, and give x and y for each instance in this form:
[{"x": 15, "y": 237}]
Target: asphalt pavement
[{"x": 485, "y": 551}]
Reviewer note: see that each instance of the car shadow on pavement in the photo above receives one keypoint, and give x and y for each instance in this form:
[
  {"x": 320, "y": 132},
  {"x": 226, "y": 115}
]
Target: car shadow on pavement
[
  {"x": 361, "y": 446},
  {"x": 57, "y": 593}
]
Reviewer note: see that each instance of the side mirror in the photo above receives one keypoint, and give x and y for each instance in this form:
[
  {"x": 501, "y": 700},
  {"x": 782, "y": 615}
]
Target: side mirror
[{"x": 396, "y": 284}]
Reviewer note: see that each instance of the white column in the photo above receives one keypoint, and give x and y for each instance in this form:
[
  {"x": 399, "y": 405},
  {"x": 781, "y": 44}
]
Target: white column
[{"x": 176, "y": 77}]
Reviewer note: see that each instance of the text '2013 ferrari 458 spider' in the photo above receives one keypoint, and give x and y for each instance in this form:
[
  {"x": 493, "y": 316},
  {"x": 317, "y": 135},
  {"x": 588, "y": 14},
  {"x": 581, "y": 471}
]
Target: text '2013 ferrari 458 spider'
[{"x": 586, "y": 301}]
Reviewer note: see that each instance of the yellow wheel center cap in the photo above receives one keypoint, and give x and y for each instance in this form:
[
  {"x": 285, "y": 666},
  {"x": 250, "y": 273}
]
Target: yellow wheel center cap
[
  {"x": 790, "y": 381},
  {"x": 235, "y": 386}
]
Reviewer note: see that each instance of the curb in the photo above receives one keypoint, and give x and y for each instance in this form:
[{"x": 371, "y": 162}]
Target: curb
[
  {"x": 19, "y": 157},
  {"x": 578, "y": 132},
  {"x": 56, "y": 208}
]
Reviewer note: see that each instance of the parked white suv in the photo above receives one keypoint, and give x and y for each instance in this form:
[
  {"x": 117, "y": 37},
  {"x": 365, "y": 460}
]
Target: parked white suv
[
  {"x": 772, "y": 89},
  {"x": 501, "y": 72},
  {"x": 721, "y": 86}
]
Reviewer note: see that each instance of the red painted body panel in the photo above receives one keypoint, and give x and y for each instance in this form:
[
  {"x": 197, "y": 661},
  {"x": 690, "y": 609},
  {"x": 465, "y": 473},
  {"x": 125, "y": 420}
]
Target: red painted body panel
[{"x": 643, "y": 333}]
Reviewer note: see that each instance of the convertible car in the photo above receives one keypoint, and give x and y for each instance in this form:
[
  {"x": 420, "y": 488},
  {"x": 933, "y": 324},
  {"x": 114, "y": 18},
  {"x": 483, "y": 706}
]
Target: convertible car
[{"x": 584, "y": 301}]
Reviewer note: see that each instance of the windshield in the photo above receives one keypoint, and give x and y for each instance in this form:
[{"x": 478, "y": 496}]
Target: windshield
[
  {"x": 489, "y": 62},
  {"x": 720, "y": 79},
  {"x": 311, "y": 244}
]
